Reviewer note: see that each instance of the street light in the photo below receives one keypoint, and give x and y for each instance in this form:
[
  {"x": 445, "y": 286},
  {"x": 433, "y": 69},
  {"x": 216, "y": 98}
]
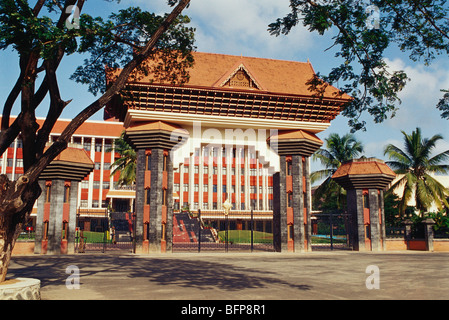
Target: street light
[{"x": 227, "y": 207}]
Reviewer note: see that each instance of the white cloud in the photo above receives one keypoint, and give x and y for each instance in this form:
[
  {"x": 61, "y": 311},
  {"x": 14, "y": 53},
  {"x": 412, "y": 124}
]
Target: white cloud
[{"x": 240, "y": 28}]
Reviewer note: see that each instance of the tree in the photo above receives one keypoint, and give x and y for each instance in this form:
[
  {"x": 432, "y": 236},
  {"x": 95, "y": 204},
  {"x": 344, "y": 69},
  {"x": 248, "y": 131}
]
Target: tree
[
  {"x": 126, "y": 165},
  {"x": 365, "y": 30},
  {"x": 339, "y": 149},
  {"x": 126, "y": 39},
  {"x": 415, "y": 163}
]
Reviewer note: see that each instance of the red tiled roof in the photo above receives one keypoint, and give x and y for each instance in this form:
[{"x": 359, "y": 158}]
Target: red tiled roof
[{"x": 368, "y": 166}]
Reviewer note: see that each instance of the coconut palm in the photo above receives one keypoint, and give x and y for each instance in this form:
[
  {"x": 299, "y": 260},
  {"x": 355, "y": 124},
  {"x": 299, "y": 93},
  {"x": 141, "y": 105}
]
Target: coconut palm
[
  {"x": 339, "y": 149},
  {"x": 414, "y": 164},
  {"x": 127, "y": 163}
]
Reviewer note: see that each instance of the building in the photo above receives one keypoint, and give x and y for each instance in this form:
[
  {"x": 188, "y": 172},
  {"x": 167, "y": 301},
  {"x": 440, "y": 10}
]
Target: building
[
  {"x": 238, "y": 128},
  {"x": 242, "y": 129}
]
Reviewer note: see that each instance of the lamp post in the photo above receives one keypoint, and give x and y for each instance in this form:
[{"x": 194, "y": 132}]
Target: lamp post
[{"x": 227, "y": 207}]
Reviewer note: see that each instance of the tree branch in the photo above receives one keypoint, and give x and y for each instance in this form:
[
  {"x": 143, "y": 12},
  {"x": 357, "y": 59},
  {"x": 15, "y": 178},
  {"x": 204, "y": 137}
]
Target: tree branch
[{"x": 35, "y": 170}]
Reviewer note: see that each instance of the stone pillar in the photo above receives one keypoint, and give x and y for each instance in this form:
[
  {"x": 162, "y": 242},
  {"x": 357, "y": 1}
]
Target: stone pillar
[
  {"x": 40, "y": 219},
  {"x": 364, "y": 180},
  {"x": 67, "y": 169},
  {"x": 55, "y": 222},
  {"x": 429, "y": 233},
  {"x": 157, "y": 158},
  {"x": 72, "y": 217},
  {"x": 154, "y": 185},
  {"x": 140, "y": 199},
  {"x": 291, "y": 231},
  {"x": 298, "y": 204}
]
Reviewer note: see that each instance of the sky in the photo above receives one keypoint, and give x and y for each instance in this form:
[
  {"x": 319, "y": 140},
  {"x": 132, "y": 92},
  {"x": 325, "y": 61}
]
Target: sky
[{"x": 239, "y": 27}]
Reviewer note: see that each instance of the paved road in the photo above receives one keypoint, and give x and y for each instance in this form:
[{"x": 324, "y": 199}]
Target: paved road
[{"x": 241, "y": 276}]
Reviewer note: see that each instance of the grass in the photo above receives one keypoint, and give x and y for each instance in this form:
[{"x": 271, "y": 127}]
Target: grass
[
  {"x": 244, "y": 236},
  {"x": 94, "y": 237}
]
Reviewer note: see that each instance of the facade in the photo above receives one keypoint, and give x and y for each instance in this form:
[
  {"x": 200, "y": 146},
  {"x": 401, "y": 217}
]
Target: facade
[{"x": 242, "y": 126}]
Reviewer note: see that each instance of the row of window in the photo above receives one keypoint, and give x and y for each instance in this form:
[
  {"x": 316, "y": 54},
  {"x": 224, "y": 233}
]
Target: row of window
[
  {"x": 252, "y": 171},
  {"x": 234, "y": 205},
  {"x": 196, "y": 187}
]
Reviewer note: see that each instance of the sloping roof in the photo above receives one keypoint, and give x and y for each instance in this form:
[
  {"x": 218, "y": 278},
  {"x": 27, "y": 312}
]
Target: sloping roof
[
  {"x": 364, "y": 173},
  {"x": 70, "y": 164},
  {"x": 275, "y": 76},
  {"x": 368, "y": 166}
]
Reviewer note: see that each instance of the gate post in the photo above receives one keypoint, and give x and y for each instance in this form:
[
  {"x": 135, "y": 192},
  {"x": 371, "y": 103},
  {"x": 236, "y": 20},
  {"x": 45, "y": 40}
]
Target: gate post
[
  {"x": 364, "y": 179},
  {"x": 428, "y": 228},
  {"x": 292, "y": 229},
  {"x": 154, "y": 142}
]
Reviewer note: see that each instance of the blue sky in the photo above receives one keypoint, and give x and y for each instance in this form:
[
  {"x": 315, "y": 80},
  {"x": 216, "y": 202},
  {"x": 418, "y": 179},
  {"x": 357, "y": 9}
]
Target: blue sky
[{"x": 239, "y": 27}]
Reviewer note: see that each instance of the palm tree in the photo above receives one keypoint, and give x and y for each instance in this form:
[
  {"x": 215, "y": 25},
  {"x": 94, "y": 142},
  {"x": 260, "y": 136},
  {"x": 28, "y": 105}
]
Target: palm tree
[
  {"x": 127, "y": 163},
  {"x": 415, "y": 164},
  {"x": 339, "y": 149}
]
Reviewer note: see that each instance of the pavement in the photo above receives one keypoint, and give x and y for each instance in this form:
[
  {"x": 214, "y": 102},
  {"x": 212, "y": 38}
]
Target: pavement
[{"x": 405, "y": 275}]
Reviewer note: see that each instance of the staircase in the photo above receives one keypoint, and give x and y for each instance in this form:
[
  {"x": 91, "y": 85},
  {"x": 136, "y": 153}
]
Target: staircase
[{"x": 186, "y": 229}]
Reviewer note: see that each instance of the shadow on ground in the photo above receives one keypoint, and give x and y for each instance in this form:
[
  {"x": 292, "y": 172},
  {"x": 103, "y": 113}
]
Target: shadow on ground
[{"x": 180, "y": 272}]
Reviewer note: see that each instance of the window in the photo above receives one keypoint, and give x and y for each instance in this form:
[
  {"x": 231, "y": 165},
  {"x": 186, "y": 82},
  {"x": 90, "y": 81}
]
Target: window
[
  {"x": 83, "y": 204},
  {"x": 164, "y": 197},
  {"x": 107, "y": 166},
  {"x": 214, "y": 188},
  {"x": 186, "y": 187},
  {"x": 196, "y": 169},
  {"x": 19, "y": 163},
  {"x": 186, "y": 169},
  {"x": 223, "y": 171},
  {"x": 66, "y": 194},
  {"x": 148, "y": 162},
  {"x": 176, "y": 187},
  {"x": 205, "y": 170},
  {"x": 84, "y": 184},
  {"x": 95, "y": 204},
  {"x": 253, "y": 189},
  {"x": 289, "y": 168},
  {"x": 366, "y": 200},
  {"x": 205, "y": 188},
  {"x": 214, "y": 206},
  {"x": 252, "y": 172},
  {"x": 290, "y": 200},
  {"x": 215, "y": 170},
  {"x": 196, "y": 187},
  {"x": 224, "y": 188},
  {"x": 106, "y": 185},
  {"x": 98, "y": 146},
  {"x": 270, "y": 190},
  {"x": 47, "y": 193},
  {"x": 87, "y": 144},
  {"x": 165, "y": 164},
  {"x": 242, "y": 206},
  {"x": 147, "y": 196},
  {"x": 205, "y": 205},
  {"x": 97, "y": 166}
]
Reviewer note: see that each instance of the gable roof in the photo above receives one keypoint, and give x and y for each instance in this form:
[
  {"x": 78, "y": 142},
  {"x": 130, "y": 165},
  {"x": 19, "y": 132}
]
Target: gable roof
[{"x": 275, "y": 76}]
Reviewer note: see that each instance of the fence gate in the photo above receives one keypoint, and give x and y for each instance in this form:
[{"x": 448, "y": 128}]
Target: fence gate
[
  {"x": 112, "y": 235},
  {"x": 330, "y": 230}
]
